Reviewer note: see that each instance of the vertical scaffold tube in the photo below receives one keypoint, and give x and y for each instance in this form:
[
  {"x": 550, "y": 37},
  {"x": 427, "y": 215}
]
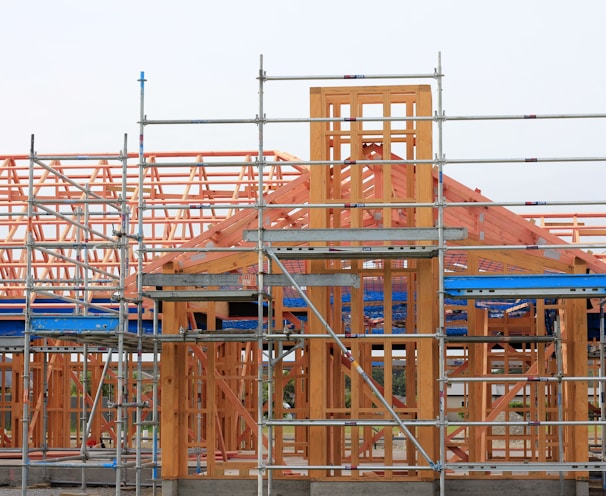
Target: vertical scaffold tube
[
  {"x": 560, "y": 374},
  {"x": 602, "y": 392},
  {"x": 27, "y": 331},
  {"x": 441, "y": 252},
  {"x": 83, "y": 281},
  {"x": 156, "y": 372},
  {"x": 120, "y": 399},
  {"x": 84, "y": 419},
  {"x": 140, "y": 250},
  {"x": 260, "y": 283}
]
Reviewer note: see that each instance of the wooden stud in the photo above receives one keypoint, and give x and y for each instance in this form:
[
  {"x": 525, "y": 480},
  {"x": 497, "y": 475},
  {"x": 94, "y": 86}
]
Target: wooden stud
[{"x": 174, "y": 390}]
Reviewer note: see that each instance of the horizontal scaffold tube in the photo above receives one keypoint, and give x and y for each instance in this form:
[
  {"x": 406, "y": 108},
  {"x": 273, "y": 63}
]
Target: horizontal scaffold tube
[
  {"x": 294, "y": 336},
  {"x": 251, "y": 204},
  {"x": 552, "y": 467},
  {"x": 370, "y": 468},
  {"x": 79, "y": 157},
  {"x": 530, "y": 423},
  {"x": 367, "y": 204},
  {"x": 349, "y": 423},
  {"x": 433, "y": 75},
  {"x": 511, "y": 117},
  {"x": 568, "y": 246},
  {"x": 497, "y": 378},
  {"x": 444, "y": 161},
  {"x": 499, "y": 339}
]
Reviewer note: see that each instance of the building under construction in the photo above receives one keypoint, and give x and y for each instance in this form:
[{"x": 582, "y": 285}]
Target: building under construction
[{"x": 248, "y": 321}]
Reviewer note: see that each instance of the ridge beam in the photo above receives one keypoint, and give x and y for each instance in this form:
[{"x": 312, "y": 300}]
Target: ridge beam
[
  {"x": 526, "y": 286},
  {"x": 357, "y": 234}
]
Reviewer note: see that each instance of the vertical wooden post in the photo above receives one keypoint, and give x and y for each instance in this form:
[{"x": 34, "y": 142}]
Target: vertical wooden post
[
  {"x": 427, "y": 360},
  {"x": 576, "y": 358},
  {"x": 426, "y": 285},
  {"x": 478, "y": 391},
  {"x": 174, "y": 391},
  {"x": 17, "y": 400},
  {"x": 211, "y": 406},
  {"x": 320, "y": 182}
]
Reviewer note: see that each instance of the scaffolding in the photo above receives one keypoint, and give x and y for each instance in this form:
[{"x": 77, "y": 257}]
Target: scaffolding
[
  {"x": 251, "y": 275},
  {"x": 76, "y": 261},
  {"x": 349, "y": 158},
  {"x": 70, "y": 243}
]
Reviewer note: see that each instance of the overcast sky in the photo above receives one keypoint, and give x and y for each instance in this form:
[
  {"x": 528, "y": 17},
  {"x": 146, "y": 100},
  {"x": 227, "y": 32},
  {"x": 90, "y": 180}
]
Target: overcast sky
[{"x": 69, "y": 71}]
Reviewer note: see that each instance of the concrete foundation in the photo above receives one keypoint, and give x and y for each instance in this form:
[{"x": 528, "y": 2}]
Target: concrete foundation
[
  {"x": 526, "y": 487},
  {"x": 10, "y": 475},
  {"x": 458, "y": 487}
]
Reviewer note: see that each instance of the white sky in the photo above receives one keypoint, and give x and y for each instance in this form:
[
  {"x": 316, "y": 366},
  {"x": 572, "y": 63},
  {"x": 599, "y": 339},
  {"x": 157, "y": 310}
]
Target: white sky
[{"x": 69, "y": 71}]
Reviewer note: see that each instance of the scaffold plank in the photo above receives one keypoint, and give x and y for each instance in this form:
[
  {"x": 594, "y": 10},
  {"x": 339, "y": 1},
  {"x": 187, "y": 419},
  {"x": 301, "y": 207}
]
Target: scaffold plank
[
  {"x": 203, "y": 295},
  {"x": 97, "y": 341},
  {"x": 357, "y": 234},
  {"x": 526, "y": 286},
  {"x": 354, "y": 252},
  {"x": 74, "y": 323},
  {"x": 180, "y": 280}
]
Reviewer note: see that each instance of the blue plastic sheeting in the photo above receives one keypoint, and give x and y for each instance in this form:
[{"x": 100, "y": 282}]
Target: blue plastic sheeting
[
  {"x": 43, "y": 317},
  {"x": 456, "y": 331},
  {"x": 593, "y": 326},
  {"x": 456, "y": 317},
  {"x": 527, "y": 284},
  {"x": 62, "y": 319},
  {"x": 16, "y": 328},
  {"x": 75, "y": 323}
]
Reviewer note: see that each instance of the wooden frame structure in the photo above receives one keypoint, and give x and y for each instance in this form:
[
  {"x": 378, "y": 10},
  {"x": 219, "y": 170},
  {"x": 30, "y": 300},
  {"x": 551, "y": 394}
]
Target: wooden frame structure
[
  {"x": 366, "y": 185},
  {"x": 211, "y": 230}
]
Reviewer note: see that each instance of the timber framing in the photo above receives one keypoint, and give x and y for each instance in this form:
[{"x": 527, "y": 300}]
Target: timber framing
[{"x": 308, "y": 319}]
